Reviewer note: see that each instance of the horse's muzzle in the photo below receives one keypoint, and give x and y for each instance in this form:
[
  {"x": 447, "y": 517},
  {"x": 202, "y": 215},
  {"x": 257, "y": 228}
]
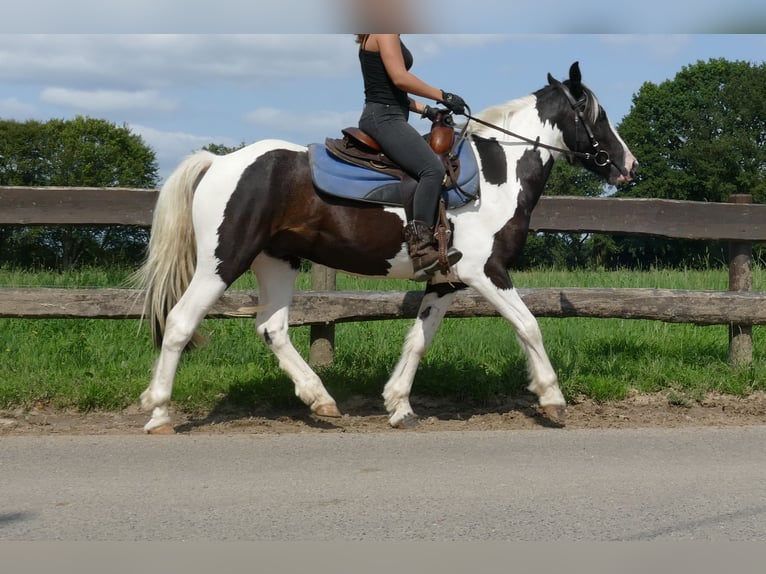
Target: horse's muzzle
[{"x": 629, "y": 174}]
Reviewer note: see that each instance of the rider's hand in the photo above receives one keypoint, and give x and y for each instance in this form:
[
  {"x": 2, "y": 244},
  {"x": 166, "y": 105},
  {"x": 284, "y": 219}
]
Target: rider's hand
[
  {"x": 432, "y": 113},
  {"x": 454, "y": 103}
]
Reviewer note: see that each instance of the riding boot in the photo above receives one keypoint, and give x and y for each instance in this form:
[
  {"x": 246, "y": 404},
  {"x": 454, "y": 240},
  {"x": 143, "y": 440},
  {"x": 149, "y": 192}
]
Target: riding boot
[{"x": 423, "y": 250}]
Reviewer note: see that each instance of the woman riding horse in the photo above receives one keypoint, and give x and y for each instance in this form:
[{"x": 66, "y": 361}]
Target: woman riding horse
[
  {"x": 258, "y": 208},
  {"x": 386, "y": 62}
]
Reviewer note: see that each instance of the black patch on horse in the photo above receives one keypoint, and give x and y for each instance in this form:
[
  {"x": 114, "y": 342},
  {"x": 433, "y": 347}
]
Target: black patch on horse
[
  {"x": 510, "y": 240},
  {"x": 275, "y": 208},
  {"x": 494, "y": 166},
  {"x": 241, "y": 234},
  {"x": 442, "y": 289}
]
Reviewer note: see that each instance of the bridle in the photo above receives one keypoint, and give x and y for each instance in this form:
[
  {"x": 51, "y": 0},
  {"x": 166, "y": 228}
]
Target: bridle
[{"x": 599, "y": 156}]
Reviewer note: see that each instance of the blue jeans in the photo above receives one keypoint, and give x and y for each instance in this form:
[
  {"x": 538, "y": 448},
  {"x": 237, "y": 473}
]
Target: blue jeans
[{"x": 402, "y": 143}]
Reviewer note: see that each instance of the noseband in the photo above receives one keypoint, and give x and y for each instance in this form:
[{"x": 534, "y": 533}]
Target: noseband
[{"x": 600, "y": 156}]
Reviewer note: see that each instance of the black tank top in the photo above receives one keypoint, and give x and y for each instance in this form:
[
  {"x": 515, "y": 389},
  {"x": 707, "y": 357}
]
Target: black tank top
[{"x": 378, "y": 87}]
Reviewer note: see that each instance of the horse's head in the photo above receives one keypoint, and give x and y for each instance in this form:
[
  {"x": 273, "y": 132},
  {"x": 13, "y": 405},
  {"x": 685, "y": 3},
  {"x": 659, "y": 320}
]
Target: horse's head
[{"x": 586, "y": 130}]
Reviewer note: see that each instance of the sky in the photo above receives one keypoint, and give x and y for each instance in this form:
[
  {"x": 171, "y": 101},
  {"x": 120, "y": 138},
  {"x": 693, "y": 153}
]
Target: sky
[{"x": 183, "y": 90}]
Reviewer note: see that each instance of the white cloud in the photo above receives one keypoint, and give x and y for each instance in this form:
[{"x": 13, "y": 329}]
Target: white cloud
[
  {"x": 173, "y": 146},
  {"x": 153, "y": 61},
  {"x": 98, "y": 101},
  {"x": 14, "y": 108},
  {"x": 305, "y": 123}
]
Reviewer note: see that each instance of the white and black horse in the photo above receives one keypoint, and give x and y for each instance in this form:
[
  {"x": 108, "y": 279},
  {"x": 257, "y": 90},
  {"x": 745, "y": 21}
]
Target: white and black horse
[{"x": 258, "y": 208}]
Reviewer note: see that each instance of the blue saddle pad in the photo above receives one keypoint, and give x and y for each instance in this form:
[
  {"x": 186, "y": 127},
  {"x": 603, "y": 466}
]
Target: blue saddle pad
[{"x": 340, "y": 179}]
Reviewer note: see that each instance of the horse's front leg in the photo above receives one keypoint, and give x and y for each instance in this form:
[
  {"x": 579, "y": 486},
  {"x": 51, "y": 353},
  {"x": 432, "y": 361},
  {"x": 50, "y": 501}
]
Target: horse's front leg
[
  {"x": 396, "y": 393},
  {"x": 543, "y": 380}
]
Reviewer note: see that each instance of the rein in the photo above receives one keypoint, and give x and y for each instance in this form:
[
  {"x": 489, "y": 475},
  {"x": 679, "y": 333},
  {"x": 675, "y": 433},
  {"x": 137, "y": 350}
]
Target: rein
[{"x": 600, "y": 157}]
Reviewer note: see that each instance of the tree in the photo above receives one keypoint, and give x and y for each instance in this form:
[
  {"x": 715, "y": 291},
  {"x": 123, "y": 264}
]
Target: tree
[
  {"x": 222, "y": 149},
  {"x": 96, "y": 153},
  {"x": 83, "y": 152},
  {"x": 700, "y": 136}
]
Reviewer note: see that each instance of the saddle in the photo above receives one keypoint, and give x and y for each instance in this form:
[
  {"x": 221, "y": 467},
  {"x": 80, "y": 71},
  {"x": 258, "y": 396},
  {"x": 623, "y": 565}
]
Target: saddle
[{"x": 360, "y": 149}]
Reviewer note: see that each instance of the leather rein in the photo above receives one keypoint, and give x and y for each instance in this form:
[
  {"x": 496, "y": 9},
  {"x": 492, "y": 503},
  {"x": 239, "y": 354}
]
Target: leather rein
[{"x": 600, "y": 156}]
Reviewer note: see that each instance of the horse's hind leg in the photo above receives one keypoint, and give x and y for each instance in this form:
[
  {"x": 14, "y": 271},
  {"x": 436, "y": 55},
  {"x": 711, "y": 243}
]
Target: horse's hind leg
[
  {"x": 276, "y": 279},
  {"x": 396, "y": 393},
  {"x": 182, "y": 321}
]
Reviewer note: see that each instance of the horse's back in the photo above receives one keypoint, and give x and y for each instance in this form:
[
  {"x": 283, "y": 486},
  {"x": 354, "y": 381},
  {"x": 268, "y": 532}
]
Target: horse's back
[
  {"x": 227, "y": 171},
  {"x": 236, "y": 162}
]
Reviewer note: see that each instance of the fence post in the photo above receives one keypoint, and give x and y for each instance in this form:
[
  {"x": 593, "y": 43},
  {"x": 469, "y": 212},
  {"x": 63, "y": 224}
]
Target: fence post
[
  {"x": 740, "y": 279},
  {"x": 322, "y": 348}
]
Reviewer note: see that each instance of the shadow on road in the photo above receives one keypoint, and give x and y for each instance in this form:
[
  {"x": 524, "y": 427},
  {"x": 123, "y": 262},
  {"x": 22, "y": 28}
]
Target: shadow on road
[{"x": 11, "y": 517}]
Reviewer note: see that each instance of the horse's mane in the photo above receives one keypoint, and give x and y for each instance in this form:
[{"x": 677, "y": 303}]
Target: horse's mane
[
  {"x": 501, "y": 114},
  {"x": 498, "y": 115}
]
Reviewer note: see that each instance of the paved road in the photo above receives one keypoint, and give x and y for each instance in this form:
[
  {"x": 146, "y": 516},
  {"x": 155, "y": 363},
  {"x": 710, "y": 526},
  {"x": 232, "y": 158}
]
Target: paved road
[{"x": 691, "y": 484}]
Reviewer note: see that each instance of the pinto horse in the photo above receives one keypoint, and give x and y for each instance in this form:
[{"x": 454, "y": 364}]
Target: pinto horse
[{"x": 258, "y": 208}]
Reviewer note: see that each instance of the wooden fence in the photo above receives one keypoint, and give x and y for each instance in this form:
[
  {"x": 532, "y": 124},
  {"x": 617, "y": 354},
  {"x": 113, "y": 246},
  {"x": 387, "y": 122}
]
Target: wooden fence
[{"x": 741, "y": 223}]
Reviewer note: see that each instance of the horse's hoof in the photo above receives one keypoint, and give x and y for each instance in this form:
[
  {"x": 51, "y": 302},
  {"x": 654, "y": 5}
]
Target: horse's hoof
[
  {"x": 330, "y": 411},
  {"x": 164, "y": 429},
  {"x": 411, "y": 421},
  {"x": 555, "y": 413}
]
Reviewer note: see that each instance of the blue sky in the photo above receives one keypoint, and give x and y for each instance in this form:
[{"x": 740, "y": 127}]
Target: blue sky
[{"x": 181, "y": 91}]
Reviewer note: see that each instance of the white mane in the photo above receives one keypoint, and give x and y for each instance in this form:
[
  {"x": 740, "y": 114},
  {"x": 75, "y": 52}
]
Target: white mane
[{"x": 499, "y": 115}]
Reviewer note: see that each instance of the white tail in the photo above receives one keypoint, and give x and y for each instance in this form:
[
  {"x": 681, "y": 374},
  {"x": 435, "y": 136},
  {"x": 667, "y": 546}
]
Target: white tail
[{"x": 171, "y": 256}]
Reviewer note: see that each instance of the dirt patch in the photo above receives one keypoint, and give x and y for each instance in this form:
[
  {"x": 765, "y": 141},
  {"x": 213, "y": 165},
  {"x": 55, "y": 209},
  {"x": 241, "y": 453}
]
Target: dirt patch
[{"x": 367, "y": 415}]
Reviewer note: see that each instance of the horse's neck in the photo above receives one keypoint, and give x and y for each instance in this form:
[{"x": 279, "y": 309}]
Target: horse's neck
[
  {"x": 528, "y": 123},
  {"x": 527, "y": 169},
  {"x": 521, "y": 117}
]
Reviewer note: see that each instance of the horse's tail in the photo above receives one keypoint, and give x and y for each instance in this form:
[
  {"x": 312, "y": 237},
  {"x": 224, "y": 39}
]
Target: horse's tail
[{"x": 171, "y": 256}]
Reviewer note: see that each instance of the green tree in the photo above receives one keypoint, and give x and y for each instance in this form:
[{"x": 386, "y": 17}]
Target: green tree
[
  {"x": 83, "y": 152},
  {"x": 96, "y": 153},
  {"x": 700, "y": 136},
  {"x": 222, "y": 149}
]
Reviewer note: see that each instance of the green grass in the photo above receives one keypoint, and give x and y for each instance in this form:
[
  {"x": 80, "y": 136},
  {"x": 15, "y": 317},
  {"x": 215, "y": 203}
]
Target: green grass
[{"x": 105, "y": 364}]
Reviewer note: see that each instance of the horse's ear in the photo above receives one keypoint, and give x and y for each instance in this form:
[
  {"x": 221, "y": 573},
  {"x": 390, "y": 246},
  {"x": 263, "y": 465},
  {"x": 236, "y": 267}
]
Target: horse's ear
[
  {"x": 552, "y": 81},
  {"x": 575, "y": 80},
  {"x": 574, "y": 73}
]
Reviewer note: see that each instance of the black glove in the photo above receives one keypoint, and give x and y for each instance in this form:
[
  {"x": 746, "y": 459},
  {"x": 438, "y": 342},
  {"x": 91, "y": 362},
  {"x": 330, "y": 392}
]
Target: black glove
[
  {"x": 432, "y": 113},
  {"x": 454, "y": 103}
]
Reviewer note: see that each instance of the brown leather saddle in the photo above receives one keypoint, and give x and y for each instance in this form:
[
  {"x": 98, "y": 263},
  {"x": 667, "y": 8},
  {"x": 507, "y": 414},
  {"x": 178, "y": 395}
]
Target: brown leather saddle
[{"x": 359, "y": 148}]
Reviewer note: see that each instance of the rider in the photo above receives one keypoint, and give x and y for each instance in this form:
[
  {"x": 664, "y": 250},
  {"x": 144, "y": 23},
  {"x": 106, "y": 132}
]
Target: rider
[{"x": 385, "y": 64}]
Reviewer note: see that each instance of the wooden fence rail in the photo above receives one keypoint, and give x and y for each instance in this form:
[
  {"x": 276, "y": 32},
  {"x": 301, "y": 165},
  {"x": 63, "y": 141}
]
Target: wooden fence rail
[
  {"x": 327, "y": 307},
  {"x": 660, "y": 217},
  {"x": 741, "y": 223}
]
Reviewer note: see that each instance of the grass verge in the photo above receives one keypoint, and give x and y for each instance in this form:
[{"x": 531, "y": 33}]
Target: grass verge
[{"x": 105, "y": 364}]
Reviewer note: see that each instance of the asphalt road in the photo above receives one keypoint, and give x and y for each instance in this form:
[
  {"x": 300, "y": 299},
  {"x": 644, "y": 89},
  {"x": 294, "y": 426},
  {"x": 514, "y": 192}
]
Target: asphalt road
[{"x": 600, "y": 485}]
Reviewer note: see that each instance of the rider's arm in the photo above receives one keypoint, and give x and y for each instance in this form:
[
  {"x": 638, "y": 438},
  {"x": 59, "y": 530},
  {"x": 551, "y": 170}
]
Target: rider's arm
[
  {"x": 416, "y": 106},
  {"x": 391, "y": 53}
]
